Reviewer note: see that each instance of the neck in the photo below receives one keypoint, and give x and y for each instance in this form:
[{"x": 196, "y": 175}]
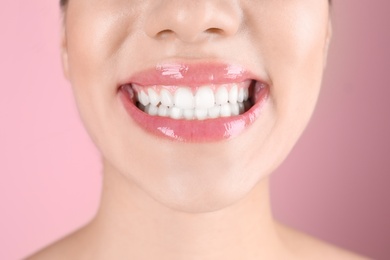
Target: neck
[{"x": 132, "y": 225}]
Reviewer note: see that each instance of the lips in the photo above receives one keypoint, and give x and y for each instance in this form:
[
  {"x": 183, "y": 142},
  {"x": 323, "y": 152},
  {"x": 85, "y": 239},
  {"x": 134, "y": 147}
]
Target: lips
[{"x": 194, "y": 102}]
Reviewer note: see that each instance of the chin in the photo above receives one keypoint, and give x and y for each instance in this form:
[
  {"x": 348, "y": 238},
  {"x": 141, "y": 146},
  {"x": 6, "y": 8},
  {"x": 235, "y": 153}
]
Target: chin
[{"x": 201, "y": 183}]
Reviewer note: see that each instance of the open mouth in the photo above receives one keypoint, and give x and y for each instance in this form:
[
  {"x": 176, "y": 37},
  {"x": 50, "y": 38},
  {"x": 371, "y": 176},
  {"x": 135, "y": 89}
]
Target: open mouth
[{"x": 194, "y": 103}]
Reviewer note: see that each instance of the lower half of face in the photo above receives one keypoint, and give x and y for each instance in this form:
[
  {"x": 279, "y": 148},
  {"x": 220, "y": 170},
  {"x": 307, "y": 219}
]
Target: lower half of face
[{"x": 195, "y": 103}]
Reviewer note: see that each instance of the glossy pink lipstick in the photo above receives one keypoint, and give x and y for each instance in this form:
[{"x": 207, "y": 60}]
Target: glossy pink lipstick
[{"x": 193, "y": 77}]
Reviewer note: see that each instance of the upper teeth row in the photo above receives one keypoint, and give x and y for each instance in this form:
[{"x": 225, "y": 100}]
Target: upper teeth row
[{"x": 184, "y": 98}]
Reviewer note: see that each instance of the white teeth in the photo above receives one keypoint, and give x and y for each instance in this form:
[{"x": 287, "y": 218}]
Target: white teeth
[
  {"x": 176, "y": 112},
  {"x": 188, "y": 114},
  {"x": 154, "y": 98},
  {"x": 183, "y": 98},
  {"x": 163, "y": 110},
  {"x": 222, "y": 96},
  {"x": 143, "y": 98},
  {"x": 225, "y": 110},
  {"x": 166, "y": 98},
  {"x": 214, "y": 111},
  {"x": 151, "y": 110},
  {"x": 240, "y": 97},
  {"x": 233, "y": 94},
  {"x": 246, "y": 94},
  {"x": 204, "y": 98},
  {"x": 208, "y": 102},
  {"x": 235, "y": 110},
  {"x": 201, "y": 113}
]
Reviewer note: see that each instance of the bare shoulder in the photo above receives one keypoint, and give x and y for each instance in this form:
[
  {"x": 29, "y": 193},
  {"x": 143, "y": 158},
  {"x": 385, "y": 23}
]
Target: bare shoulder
[
  {"x": 63, "y": 249},
  {"x": 308, "y": 247}
]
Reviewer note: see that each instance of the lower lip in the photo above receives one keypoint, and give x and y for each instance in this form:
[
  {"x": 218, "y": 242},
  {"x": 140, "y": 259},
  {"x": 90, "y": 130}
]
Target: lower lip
[{"x": 196, "y": 131}]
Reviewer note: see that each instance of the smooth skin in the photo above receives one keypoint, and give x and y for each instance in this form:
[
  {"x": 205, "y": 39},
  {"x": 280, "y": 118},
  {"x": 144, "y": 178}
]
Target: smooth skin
[{"x": 208, "y": 201}]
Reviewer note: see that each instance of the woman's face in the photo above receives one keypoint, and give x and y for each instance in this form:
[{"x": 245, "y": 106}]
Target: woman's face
[{"x": 276, "y": 48}]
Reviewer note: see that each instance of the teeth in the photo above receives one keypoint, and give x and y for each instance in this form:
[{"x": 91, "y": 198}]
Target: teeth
[
  {"x": 240, "y": 96},
  {"x": 143, "y": 98},
  {"x": 176, "y": 112},
  {"x": 201, "y": 113},
  {"x": 222, "y": 96},
  {"x": 163, "y": 110},
  {"x": 183, "y": 98},
  {"x": 154, "y": 98},
  {"x": 208, "y": 101},
  {"x": 226, "y": 110},
  {"x": 130, "y": 91},
  {"x": 151, "y": 110},
  {"x": 204, "y": 98},
  {"x": 188, "y": 114},
  {"x": 235, "y": 110},
  {"x": 241, "y": 108},
  {"x": 166, "y": 98},
  {"x": 233, "y": 94},
  {"x": 214, "y": 111},
  {"x": 246, "y": 94}
]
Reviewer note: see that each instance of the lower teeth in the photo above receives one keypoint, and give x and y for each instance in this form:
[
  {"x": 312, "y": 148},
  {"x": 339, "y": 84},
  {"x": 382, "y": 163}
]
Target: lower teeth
[{"x": 226, "y": 110}]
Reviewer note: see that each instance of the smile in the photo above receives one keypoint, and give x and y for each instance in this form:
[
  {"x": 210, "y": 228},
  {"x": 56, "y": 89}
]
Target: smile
[
  {"x": 194, "y": 103},
  {"x": 204, "y": 102}
]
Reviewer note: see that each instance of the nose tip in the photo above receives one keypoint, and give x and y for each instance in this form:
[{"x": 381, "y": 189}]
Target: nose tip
[{"x": 191, "y": 21}]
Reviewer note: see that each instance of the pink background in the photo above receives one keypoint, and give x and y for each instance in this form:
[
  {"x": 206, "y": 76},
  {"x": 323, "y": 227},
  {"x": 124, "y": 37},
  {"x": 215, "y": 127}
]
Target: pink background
[{"x": 335, "y": 184}]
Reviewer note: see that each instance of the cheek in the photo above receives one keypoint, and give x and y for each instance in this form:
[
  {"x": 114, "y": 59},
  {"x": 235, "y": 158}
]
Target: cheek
[
  {"x": 96, "y": 33},
  {"x": 293, "y": 45},
  {"x": 290, "y": 41},
  {"x": 90, "y": 46},
  {"x": 94, "y": 36}
]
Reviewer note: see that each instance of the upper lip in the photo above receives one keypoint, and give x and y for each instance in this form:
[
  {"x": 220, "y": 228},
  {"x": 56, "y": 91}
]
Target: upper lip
[{"x": 191, "y": 74}]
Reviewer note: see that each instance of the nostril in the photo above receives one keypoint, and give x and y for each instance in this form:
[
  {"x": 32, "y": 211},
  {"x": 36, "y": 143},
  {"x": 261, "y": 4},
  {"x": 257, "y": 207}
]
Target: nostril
[
  {"x": 215, "y": 31},
  {"x": 165, "y": 34}
]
